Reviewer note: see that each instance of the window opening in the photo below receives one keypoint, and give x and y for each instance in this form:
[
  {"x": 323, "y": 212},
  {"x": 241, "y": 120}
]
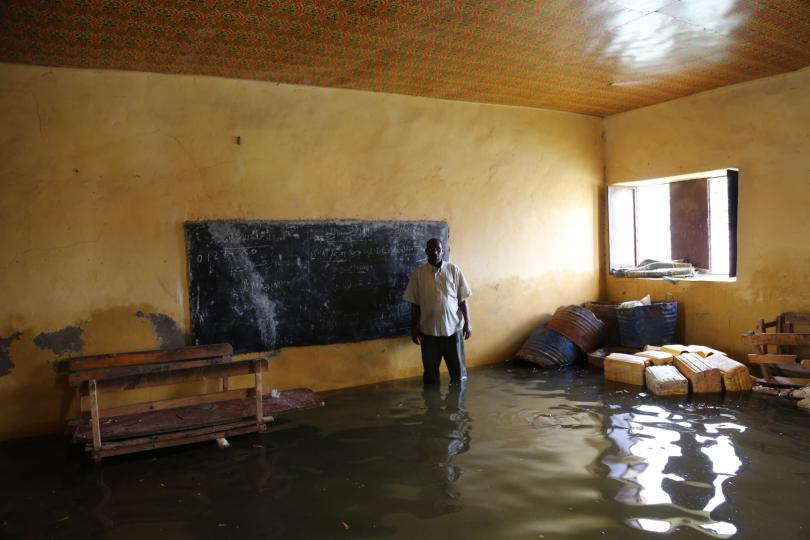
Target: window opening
[
  {"x": 658, "y": 223},
  {"x": 653, "y": 236}
]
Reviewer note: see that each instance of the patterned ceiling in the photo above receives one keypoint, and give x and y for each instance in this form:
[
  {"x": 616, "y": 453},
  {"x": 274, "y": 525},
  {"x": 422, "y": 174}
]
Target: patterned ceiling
[{"x": 595, "y": 57}]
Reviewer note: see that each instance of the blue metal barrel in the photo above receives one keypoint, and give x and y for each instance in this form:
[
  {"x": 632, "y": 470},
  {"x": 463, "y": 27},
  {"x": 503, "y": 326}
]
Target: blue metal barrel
[
  {"x": 648, "y": 325},
  {"x": 548, "y": 348}
]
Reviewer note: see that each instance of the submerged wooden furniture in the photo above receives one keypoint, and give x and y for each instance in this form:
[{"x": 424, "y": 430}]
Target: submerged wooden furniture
[
  {"x": 784, "y": 349},
  {"x": 170, "y": 422}
]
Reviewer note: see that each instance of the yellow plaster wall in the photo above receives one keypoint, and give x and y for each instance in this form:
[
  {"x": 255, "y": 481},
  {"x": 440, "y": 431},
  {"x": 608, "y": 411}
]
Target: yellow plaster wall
[
  {"x": 763, "y": 128},
  {"x": 99, "y": 171}
]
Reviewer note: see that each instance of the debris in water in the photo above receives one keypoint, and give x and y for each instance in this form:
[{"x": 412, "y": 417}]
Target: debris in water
[
  {"x": 345, "y": 525},
  {"x": 222, "y": 442}
]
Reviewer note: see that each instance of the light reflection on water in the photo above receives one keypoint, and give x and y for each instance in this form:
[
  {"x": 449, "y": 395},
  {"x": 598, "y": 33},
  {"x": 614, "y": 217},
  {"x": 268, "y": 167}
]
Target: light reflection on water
[
  {"x": 517, "y": 453},
  {"x": 647, "y": 438}
]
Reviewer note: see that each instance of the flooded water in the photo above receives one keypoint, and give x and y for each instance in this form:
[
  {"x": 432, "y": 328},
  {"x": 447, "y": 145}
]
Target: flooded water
[{"x": 517, "y": 453}]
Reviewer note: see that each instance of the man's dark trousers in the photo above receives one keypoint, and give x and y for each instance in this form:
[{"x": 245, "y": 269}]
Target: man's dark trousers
[{"x": 449, "y": 347}]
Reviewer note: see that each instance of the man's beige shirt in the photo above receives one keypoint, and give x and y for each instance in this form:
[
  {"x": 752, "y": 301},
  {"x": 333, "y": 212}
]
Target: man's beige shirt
[{"x": 437, "y": 292}]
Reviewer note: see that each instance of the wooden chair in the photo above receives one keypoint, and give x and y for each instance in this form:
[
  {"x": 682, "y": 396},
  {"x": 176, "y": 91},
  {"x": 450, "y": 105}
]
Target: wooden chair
[
  {"x": 147, "y": 425},
  {"x": 790, "y": 348}
]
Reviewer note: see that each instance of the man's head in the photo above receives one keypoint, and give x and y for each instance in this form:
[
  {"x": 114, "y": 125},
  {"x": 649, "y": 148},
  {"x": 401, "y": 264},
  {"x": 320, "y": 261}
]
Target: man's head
[{"x": 433, "y": 250}]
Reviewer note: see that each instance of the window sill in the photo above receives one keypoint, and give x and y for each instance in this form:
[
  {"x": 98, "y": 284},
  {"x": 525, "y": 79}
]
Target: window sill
[{"x": 701, "y": 277}]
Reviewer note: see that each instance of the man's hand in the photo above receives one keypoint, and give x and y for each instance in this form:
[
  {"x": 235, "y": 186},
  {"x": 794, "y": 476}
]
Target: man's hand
[
  {"x": 415, "y": 334},
  {"x": 467, "y": 331}
]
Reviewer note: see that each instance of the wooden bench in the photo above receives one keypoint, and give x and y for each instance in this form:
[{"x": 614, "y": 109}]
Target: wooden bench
[
  {"x": 124, "y": 429},
  {"x": 790, "y": 352}
]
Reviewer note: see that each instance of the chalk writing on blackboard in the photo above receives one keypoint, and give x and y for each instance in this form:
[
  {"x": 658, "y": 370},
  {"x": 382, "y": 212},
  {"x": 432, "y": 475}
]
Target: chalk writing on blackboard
[{"x": 261, "y": 285}]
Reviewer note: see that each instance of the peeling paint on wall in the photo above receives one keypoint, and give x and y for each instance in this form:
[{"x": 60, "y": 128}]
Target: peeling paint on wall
[
  {"x": 66, "y": 340},
  {"x": 167, "y": 331},
  {"x": 6, "y": 365}
]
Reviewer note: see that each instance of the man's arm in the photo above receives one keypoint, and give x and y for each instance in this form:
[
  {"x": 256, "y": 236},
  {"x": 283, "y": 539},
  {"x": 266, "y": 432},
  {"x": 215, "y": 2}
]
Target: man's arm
[
  {"x": 415, "y": 314},
  {"x": 467, "y": 323}
]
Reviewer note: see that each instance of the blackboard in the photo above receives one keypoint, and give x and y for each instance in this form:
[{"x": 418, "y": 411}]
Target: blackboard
[{"x": 262, "y": 285}]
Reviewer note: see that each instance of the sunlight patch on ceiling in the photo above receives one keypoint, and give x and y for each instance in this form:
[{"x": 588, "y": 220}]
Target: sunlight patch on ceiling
[{"x": 660, "y": 42}]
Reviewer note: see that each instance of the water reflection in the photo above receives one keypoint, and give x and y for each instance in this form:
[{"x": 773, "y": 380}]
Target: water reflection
[
  {"x": 450, "y": 416},
  {"x": 405, "y": 463},
  {"x": 652, "y": 443},
  {"x": 555, "y": 454},
  {"x": 100, "y": 510}
]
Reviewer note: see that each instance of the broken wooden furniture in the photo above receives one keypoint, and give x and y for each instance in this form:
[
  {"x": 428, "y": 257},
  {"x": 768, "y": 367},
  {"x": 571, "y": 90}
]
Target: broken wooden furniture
[
  {"x": 783, "y": 351},
  {"x": 124, "y": 429}
]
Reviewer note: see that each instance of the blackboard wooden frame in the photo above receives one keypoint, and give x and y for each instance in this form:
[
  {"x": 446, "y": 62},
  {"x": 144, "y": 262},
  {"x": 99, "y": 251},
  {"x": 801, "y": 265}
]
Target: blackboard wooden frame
[{"x": 262, "y": 285}]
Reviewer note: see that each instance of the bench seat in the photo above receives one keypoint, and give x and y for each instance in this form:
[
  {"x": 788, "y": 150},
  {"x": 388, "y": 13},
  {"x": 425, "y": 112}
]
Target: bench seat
[
  {"x": 134, "y": 427},
  {"x": 195, "y": 416}
]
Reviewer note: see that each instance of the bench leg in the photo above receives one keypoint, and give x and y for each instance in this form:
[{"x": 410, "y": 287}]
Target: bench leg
[
  {"x": 94, "y": 421},
  {"x": 763, "y": 349},
  {"x": 259, "y": 405}
]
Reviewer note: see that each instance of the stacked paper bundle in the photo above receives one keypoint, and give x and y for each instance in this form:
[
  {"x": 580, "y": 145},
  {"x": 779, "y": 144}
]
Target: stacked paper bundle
[
  {"x": 734, "y": 374},
  {"x": 703, "y": 376},
  {"x": 625, "y": 368},
  {"x": 657, "y": 358},
  {"x": 666, "y": 381}
]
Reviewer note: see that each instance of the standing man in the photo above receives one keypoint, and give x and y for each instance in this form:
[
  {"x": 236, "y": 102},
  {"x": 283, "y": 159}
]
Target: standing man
[{"x": 440, "y": 319}]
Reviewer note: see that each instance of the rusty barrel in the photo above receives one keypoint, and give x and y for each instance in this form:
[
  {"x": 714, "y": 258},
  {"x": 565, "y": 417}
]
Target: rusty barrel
[
  {"x": 578, "y": 325},
  {"x": 648, "y": 325},
  {"x": 606, "y": 312},
  {"x": 548, "y": 348}
]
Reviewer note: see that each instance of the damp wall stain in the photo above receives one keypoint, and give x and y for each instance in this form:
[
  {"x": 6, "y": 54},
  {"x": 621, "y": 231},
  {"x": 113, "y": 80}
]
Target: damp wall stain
[
  {"x": 6, "y": 365},
  {"x": 167, "y": 332},
  {"x": 33, "y": 400},
  {"x": 70, "y": 234},
  {"x": 118, "y": 329},
  {"x": 61, "y": 342},
  {"x": 35, "y": 397}
]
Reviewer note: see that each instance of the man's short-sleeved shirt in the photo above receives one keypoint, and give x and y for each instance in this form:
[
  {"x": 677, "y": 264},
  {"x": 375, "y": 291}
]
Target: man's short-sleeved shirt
[{"x": 437, "y": 292}]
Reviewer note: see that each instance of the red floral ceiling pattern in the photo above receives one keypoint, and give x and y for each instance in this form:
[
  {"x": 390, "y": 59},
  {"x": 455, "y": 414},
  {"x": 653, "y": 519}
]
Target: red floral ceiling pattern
[{"x": 593, "y": 57}]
